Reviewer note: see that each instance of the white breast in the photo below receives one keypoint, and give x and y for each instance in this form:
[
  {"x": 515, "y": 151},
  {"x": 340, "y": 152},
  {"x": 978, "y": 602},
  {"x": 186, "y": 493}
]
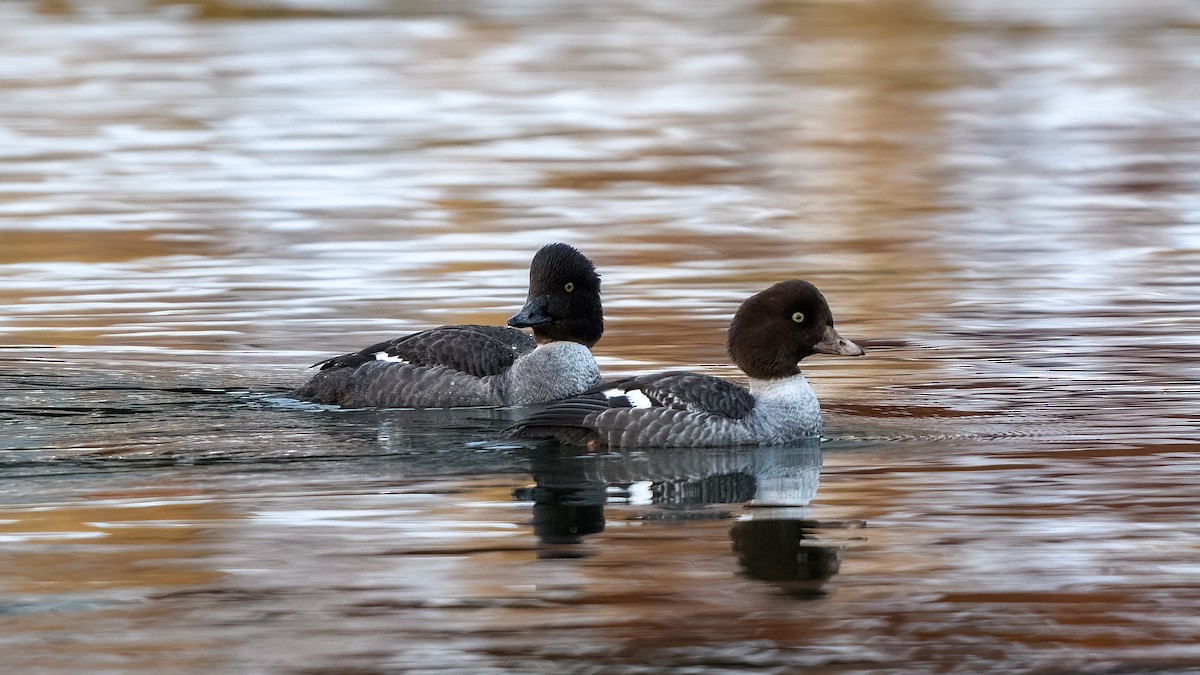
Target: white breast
[
  {"x": 553, "y": 371},
  {"x": 785, "y": 409}
]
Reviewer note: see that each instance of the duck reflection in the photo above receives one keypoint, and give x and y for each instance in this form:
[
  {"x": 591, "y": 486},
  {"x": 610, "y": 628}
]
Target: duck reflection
[
  {"x": 567, "y": 504},
  {"x": 772, "y": 538},
  {"x": 784, "y": 553}
]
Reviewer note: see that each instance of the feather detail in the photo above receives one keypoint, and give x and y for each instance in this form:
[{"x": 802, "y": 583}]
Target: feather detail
[
  {"x": 692, "y": 392},
  {"x": 651, "y": 410},
  {"x": 475, "y": 350}
]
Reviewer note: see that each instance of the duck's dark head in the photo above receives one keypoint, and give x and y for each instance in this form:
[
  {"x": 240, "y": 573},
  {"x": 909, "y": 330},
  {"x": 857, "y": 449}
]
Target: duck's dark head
[
  {"x": 773, "y": 330},
  {"x": 564, "y": 297}
]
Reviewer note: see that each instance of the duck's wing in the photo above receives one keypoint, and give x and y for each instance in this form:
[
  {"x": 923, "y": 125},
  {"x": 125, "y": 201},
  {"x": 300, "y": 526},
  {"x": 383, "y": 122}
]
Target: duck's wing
[
  {"x": 649, "y": 410},
  {"x": 475, "y": 350},
  {"x": 692, "y": 392}
]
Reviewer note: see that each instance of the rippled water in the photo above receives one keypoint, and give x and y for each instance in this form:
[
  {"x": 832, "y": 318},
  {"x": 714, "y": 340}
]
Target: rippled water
[{"x": 1000, "y": 200}]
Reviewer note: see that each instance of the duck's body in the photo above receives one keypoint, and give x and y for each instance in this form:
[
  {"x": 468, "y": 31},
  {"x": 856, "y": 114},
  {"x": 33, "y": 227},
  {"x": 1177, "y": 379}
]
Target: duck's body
[
  {"x": 459, "y": 366},
  {"x": 769, "y": 335}
]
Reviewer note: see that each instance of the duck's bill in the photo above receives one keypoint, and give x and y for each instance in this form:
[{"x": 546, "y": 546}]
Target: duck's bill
[
  {"x": 835, "y": 344},
  {"x": 532, "y": 314}
]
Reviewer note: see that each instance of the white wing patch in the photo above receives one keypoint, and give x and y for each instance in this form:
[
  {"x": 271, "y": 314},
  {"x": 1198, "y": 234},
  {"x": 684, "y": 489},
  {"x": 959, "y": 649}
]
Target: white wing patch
[
  {"x": 384, "y": 356},
  {"x": 636, "y": 397}
]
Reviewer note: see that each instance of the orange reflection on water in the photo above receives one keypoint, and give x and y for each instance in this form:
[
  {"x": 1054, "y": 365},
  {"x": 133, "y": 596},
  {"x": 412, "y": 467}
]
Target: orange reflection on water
[{"x": 73, "y": 548}]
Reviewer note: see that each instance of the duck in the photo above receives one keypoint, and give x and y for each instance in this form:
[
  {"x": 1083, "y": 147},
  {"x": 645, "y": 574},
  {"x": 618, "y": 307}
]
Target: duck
[
  {"x": 480, "y": 365},
  {"x": 771, "y": 332}
]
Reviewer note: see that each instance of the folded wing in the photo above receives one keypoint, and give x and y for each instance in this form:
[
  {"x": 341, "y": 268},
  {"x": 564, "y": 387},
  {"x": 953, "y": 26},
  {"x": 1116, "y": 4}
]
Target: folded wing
[
  {"x": 475, "y": 350},
  {"x": 657, "y": 410}
]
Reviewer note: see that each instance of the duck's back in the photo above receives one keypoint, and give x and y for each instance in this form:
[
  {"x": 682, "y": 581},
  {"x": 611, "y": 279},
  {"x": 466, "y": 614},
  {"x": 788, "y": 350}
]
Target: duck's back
[
  {"x": 676, "y": 409},
  {"x": 451, "y": 366}
]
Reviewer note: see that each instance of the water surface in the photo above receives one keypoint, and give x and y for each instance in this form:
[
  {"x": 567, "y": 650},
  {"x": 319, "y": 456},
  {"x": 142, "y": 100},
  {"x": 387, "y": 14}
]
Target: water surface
[{"x": 200, "y": 199}]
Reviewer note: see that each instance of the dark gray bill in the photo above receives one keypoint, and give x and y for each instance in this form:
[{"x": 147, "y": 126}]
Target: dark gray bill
[{"x": 532, "y": 314}]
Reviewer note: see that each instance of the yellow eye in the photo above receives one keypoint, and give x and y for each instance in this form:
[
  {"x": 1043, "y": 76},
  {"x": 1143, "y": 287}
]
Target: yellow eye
[
  {"x": 798, "y": 317},
  {"x": 569, "y": 287}
]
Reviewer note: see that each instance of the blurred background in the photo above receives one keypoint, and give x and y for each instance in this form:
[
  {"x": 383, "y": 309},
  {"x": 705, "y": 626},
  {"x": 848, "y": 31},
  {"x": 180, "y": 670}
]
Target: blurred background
[{"x": 200, "y": 199}]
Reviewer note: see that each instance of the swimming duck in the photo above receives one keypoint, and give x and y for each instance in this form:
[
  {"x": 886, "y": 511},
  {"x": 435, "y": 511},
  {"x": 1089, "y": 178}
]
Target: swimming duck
[
  {"x": 469, "y": 365},
  {"x": 769, "y": 335}
]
